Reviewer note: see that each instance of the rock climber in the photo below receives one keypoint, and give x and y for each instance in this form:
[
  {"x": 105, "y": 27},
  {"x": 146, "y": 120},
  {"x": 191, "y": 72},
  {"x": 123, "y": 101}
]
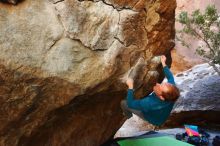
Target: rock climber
[{"x": 156, "y": 107}]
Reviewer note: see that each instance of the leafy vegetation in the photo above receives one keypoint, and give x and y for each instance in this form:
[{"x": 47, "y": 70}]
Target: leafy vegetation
[{"x": 203, "y": 26}]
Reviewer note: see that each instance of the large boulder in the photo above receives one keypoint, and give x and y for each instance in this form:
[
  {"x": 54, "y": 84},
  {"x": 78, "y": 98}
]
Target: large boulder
[
  {"x": 61, "y": 65},
  {"x": 200, "y": 98}
]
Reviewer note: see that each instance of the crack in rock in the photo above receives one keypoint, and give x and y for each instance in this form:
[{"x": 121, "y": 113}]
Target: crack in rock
[
  {"x": 56, "y": 1},
  {"x": 109, "y": 4},
  {"x": 104, "y": 2}
]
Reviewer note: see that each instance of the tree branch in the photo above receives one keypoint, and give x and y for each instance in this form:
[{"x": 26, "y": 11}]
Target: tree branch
[{"x": 207, "y": 43}]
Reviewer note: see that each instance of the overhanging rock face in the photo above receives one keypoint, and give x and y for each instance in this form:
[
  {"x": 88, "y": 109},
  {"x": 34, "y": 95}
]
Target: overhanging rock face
[{"x": 62, "y": 64}]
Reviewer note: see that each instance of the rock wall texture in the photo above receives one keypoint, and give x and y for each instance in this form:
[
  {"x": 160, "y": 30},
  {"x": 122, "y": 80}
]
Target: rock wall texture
[
  {"x": 61, "y": 65},
  {"x": 14, "y": 2}
]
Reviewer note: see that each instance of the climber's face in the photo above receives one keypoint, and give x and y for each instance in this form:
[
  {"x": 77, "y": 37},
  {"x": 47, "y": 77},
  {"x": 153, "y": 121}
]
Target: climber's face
[{"x": 160, "y": 88}]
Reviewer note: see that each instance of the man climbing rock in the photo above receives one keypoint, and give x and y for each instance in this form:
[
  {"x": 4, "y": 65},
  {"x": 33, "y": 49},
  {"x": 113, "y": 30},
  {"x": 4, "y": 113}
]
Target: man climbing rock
[{"x": 156, "y": 107}]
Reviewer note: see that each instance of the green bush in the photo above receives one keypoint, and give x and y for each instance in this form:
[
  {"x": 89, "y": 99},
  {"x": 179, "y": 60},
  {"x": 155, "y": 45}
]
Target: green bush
[{"x": 204, "y": 26}]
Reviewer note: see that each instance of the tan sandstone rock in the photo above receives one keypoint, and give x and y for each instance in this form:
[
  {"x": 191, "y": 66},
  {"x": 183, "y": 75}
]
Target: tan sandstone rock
[{"x": 61, "y": 65}]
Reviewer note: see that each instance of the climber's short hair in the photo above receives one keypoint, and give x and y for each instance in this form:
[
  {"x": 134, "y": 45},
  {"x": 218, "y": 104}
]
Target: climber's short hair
[{"x": 171, "y": 92}]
